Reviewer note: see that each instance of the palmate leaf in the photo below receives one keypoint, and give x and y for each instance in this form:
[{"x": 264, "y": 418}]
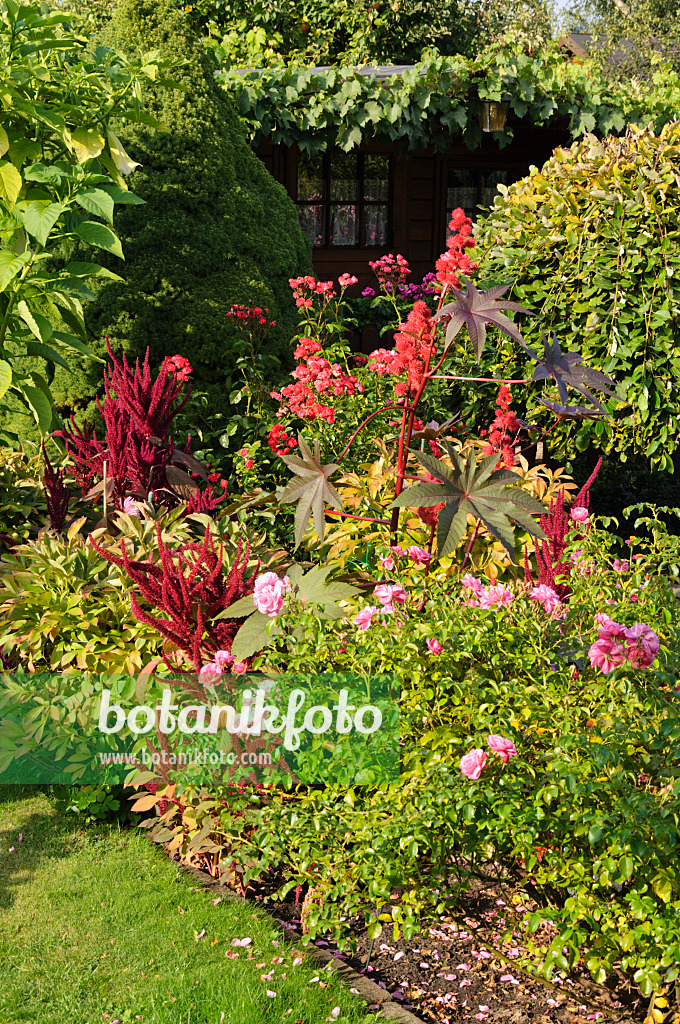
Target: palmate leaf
[
  {"x": 310, "y": 490},
  {"x": 474, "y": 310},
  {"x": 567, "y": 370},
  {"x": 472, "y": 488}
]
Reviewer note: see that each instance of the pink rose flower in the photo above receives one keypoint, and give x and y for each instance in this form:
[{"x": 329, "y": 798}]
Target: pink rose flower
[
  {"x": 390, "y": 594},
  {"x": 434, "y": 647},
  {"x": 609, "y": 628},
  {"x": 546, "y": 596},
  {"x": 643, "y": 645},
  {"x": 386, "y": 562},
  {"x": 223, "y": 659},
  {"x": 496, "y": 595},
  {"x": 473, "y": 763},
  {"x": 419, "y": 556},
  {"x": 364, "y": 618},
  {"x": 607, "y": 654},
  {"x": 503, "y": 747},
  {"x": 470, "y": 582},
  {"x": 580, "y": 515},
  {"x": 269, "y": 592},
  {"x": 620, "y": 566},
  {"x": 239, "y": 667},
  {"x": 210, "y": 673}
]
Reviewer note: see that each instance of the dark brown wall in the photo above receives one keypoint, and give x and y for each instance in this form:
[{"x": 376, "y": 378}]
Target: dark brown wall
[{"x": 420, "y": 186}]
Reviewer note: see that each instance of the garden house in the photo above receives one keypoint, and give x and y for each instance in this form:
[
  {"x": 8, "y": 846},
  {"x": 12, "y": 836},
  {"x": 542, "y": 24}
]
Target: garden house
[{"x": 375, "y": 158}]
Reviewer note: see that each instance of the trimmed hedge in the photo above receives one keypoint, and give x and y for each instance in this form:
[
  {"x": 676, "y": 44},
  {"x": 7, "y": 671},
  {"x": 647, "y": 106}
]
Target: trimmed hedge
[
  {"x": 592, "y": 244},
  {"x": 217, "y": 228}
]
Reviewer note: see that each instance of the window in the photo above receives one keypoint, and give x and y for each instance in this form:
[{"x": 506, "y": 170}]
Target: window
[
  {"x": 345, "y": 199},
  {"x": 474, "y": 189}
]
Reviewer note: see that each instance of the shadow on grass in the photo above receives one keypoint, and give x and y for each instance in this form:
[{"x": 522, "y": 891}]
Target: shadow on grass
[{"x": 45, "y": 836}]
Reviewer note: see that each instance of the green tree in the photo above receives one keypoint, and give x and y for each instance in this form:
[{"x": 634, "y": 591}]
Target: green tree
[
  {"x": 62, "y": 174},
  {"x": 216, "y": 230}
]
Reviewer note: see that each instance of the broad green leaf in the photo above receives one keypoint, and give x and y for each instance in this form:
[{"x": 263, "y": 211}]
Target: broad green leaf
[
  {"x": 39, "y": 218},
  {"x": 21, "y": 150},
  {"x": 5, "y": 377},
  {"x": 39, "y": 405},
  {"x": 101, "y": 236},
  {"x": 244, "y": 606},
  {"x": 253, "y": 637},
  {"x": 466, "y": 488},
  {"x": 4, "y": 141},
  {"x": 86, "y": 143},
  {"x": 310, "y": 490},
  {"x": 10, "y": 266},
  {"x": 313, "y": 589},
  {"x": 46, "y": 174},
  {"x": 36, "y": 323},
  {"x": 96, "y": 201},
  {"x": 90, "y": 270},
  {"x": 10, "y": 183},
  {"x": 123, "y": 196},
  {"x": 35, "y": 348}
]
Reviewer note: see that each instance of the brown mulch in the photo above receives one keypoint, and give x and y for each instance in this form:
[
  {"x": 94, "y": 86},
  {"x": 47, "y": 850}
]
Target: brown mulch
[{"x": 460, "y": 971}]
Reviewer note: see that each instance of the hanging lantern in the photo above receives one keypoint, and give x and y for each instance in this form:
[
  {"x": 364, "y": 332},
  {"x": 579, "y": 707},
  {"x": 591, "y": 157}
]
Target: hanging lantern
[{"x": 492, "y": 114}]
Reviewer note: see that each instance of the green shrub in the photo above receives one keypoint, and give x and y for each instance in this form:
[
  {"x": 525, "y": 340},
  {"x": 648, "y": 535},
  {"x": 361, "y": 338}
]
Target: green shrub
[
  {"x": 592, "y": 244},
  {"x": 216, "y": 230}
]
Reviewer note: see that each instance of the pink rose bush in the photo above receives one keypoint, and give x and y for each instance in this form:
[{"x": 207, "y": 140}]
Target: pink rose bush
[
  {"x": 473, "y": 764},
  {"x": 549, "y": 600},
  {"x": 269, "y": 593},
  {"x": 503, "y": 747},
  {"x": 365, "y": 617},
  {"x": 486, "y": 597},
  {"x": 617, "y": 644},
  {"x": 390, "y": 594},
  {"x": 223, "y": 661}
]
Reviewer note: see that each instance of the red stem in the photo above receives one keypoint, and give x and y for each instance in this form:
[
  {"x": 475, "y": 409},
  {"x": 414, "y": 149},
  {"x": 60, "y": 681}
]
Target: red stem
[
  {"x": 469, "y": 547},
  {"x": 392, "y": 405}
]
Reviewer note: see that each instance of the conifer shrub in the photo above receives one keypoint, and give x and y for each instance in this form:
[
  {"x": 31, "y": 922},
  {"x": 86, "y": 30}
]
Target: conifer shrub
[
  {"x": 217, "y": 229},
  {"x": 592, "y": 244}
]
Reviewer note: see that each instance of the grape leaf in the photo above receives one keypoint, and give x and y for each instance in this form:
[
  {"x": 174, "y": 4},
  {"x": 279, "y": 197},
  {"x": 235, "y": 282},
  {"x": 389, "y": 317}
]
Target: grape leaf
[
  {"x": 567, "y": 370},
  {"x": 474, "y": 310},
  {"x": 466, "y": 488},
  {"x": 310, "y": 490}
]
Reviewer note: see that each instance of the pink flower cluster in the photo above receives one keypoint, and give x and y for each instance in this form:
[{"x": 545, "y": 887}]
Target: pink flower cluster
[
  {"x": 305, "y": 288},
  {"x": 346, "y": 280},
  {"x": 391, "y": 271},
  {"x": 314, "y": 376},
  {"x": 419, "y": 556},
  {"x": 474, "y": 763},
  {"x": 222, "y": 661},
  {"x": 486, "y": 597},
  {"x": 549, "y": 600},
  {"x": 455, "y": 260},
  {"x": 269, "y": 593},
  {"x": 389, "y": 595},
  {"x": 617, "y": 644}
]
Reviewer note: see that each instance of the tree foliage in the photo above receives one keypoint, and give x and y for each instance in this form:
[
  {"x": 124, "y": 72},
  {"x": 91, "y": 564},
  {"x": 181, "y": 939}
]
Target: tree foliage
[
  {"x": 217, "y": 228},
  {"x": 62, "y": 175}
]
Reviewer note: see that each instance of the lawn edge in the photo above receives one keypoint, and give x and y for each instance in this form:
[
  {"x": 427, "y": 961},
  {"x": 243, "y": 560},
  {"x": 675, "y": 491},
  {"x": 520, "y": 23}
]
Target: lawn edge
[{"x": 366, "y": 989}]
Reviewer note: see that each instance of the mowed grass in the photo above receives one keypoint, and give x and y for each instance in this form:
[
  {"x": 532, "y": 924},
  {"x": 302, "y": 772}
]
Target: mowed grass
[{"x": 99, "y": 921}]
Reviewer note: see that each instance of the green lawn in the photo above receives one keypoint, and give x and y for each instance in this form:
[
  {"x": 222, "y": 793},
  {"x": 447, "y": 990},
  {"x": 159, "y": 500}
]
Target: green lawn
[{"x": 99, "y": 921}]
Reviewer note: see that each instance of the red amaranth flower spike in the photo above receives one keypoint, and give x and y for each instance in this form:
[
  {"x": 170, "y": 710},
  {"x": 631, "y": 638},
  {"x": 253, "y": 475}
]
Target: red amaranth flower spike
[
  {"x": 190, "y": 587},
  {"x": 57, "y": 495},
  {"x": 550, "y": 553},
  {"x": 151, "y": 405}
]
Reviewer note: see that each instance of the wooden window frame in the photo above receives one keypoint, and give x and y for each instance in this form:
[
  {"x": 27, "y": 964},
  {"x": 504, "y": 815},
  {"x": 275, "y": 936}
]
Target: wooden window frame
[{"x": 362, "y": 204}]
